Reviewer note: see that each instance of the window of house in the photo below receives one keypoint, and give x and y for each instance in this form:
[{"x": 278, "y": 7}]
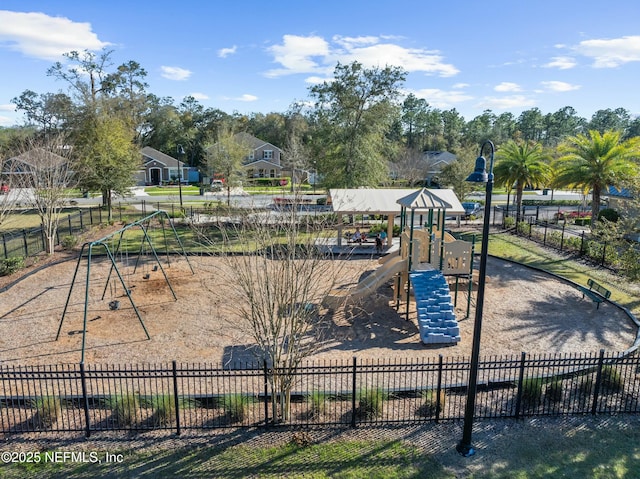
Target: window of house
[
  {"x": 268, "y": 154},
  {"x": 251, "y": 155},
  {"x": 272, "y": 173}
]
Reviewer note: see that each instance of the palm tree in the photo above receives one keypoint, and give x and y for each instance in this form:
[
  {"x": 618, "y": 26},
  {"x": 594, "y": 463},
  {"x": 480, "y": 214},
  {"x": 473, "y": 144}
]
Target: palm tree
[
  {"x": 596, "y": 161},
  {"x": 519, "y": 164}
]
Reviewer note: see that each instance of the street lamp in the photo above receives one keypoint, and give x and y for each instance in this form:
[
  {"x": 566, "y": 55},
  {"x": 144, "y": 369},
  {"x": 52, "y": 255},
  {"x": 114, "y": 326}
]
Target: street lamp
[
  {"x": 180, "y": 155},
  {"x": 479, "y": 175}
]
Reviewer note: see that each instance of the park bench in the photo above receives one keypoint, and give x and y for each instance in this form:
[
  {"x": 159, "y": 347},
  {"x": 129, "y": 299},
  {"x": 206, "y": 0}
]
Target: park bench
[{"x": 596, "y": 292}]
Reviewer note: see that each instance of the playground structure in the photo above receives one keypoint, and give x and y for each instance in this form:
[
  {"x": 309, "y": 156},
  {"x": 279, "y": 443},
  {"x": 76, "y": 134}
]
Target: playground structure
[
  {"x": 427, "y": 255},
  {"x": 114, "y": 247}
]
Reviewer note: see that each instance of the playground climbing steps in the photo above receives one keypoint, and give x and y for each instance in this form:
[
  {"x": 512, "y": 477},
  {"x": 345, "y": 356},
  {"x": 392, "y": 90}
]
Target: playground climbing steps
[{"x": 436, "y": 318}]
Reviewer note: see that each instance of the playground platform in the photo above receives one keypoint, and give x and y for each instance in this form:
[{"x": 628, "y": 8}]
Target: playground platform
[{"x": 356, "y": 249}]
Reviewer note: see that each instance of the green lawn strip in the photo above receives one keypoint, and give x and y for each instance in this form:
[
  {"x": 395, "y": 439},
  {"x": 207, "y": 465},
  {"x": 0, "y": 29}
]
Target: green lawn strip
[{"x": 335, "y": 459}]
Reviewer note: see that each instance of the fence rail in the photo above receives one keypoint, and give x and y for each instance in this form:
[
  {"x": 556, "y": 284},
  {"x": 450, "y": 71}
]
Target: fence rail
[{"x": 174, "y": 396}]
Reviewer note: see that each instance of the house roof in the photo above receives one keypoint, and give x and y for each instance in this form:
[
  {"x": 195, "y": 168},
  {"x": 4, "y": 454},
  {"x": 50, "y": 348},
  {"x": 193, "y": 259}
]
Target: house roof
[
  {"x": 619, "y": 193},
  {"x": 153, "y": 154},
  {"x": 35, "y": 155},
  {"x": 439, "y": 158},
  {"x": 386, "y": 201},
  {"x": 261, "y": 162},
  {"x": 252, "y": 141}
]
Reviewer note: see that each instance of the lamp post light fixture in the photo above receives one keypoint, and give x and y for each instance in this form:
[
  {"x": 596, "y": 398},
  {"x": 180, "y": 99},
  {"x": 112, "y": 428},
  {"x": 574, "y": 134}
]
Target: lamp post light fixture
[
  {"x": 180, "y": 155},
  {"x": 479, "y": 175}
]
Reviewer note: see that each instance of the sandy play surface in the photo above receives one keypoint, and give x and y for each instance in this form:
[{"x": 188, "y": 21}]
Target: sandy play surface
[{"x": 524, "y": 311}]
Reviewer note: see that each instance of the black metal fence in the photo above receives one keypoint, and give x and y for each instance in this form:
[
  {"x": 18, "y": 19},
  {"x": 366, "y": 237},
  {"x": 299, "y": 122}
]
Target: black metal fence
[{"x": 90, "y": 398}]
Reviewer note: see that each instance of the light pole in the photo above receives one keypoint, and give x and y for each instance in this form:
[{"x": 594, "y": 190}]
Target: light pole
[
  {"x": 479, "y": 175},
  {"x": 180, "y": 155}
]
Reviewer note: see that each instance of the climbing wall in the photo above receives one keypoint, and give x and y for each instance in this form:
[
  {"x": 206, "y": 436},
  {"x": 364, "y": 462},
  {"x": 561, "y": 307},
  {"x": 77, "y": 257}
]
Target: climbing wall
[{"x": 436, "y": 318}]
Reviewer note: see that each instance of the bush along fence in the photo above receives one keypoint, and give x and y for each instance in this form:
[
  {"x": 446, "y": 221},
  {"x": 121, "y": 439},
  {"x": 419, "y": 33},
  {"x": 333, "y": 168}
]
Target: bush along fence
[{"x": 91, "y": 398}]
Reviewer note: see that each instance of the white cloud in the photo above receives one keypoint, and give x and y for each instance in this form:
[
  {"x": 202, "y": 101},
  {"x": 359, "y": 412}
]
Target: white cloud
[
  {"x": 175, "y": 73},
  {"x": 314, "y": 54},
  {"x": 42, "y": 36},
  {"x": 458, "y": 86},
  {"x": 296, "y": 55},
  {"x": 8, "y": 107},
  {"x": 246, "y": 97},
  {"x": 199, "y": 96},
  {"x": 562, "y": 63},
  {"x": 225, "y": 52},
  {"x": 440, "y": 98},
  {"x": 6, "y": 121},
  {"x": 611, "y": 53},
  {"x": 316, "y": 80},
  {"x": 559, "y": 86},
  {"x": 507, "y": 86},
  {"x": 506, "y": 102}
]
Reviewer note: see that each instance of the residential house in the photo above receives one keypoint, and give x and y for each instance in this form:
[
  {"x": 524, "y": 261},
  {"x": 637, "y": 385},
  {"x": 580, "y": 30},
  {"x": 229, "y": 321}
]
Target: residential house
[
  {"x": 160, "y": 168},
  {"x": 17, "y": 170},
  {"x": 434, "y": 162},
  {"x": 264, "y": 159}
]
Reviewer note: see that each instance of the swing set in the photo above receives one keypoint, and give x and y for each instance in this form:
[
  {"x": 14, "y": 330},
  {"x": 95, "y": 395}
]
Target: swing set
[{"x": 115, "y": 246}]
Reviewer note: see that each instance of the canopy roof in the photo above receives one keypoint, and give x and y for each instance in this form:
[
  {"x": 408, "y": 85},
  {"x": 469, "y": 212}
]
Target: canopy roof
[{"x": 387, "y": 201}]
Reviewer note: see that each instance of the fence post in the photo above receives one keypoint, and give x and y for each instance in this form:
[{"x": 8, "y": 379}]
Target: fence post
[
  {"x": 544, "y": 239},
  {"x": 582, "y": 244},
  {"x": 265, "y": 373},
  {"x": 91, "y": 215},
  {"x": 85, "y": 400},
  {"x": 175, "y": 396},
  {"x": 562, "y": 236},
  {"x": 596, "y": 387},
  {"x": 353, "y": 393},
  {"x": 25, "y": 242},
  {"x": 81, "y": 222},
  {"x": 120, "y": 211},
  {"x": 523, "y": 357},
  {"x": 70, "y": 227},
  {"x": 100, "y": 214},
  {"x": 438, "y": 405},
  {"x": 530, "y": 229},
  {"x": 4, "y": 246}
]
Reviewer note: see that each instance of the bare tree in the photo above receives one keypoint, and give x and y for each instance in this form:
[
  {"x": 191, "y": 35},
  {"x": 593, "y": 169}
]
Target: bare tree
[
  {"x": 226, "y": 156},
  {"x": 45, "y": 169},
  {"x": 278, "y": 283},
  {"x": 411, "y": 166},
  {"x": 9, "y": 192}
]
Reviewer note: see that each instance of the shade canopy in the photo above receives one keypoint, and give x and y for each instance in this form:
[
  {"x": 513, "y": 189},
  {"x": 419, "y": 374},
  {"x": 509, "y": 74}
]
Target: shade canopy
[{"x": 386, "y": 201}]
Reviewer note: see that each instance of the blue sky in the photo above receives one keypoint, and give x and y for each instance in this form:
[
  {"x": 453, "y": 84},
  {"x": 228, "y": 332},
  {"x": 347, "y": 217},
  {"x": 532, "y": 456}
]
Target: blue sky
[{"x": 250, "y": 56}]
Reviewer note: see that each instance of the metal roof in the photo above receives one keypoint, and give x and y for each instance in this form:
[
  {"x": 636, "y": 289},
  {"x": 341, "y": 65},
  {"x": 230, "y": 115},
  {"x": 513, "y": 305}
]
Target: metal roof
[{"x": 386, "y": 201}]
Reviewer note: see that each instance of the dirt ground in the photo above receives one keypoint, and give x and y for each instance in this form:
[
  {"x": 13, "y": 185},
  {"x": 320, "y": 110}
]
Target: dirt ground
[{"x": 524, "y": 311}]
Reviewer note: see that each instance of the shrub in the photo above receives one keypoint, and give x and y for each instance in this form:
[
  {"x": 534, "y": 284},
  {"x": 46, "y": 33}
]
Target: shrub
[
  {"x": 532, "y": 390},
  {"x": 69, "y": 242},
  {"x": 523, "y": 227},
  {"x": 430, "y": 405},
  {"x": 609, "y": 214},
  {"x": 124, "y": 408},
  {"x": 379, "y": 227},
  {"x": 509, "y": 222},
  {"x": 236, "y": 406},
  {"x": 611, "y": 379},
  {"x": 370, "y": 402},
  {"x": 585, "y": 386},
  {"x": 11, "y": 265},
  {"x": 317, "y": 402},
  {"x": 164, "y": 409},
  {"x": 554, "y": 390},
  {"x": 48, "y": 409}
]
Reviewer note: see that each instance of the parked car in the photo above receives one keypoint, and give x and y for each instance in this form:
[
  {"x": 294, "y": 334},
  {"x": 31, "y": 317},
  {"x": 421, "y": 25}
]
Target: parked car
[
  {"x": 471, "y": 208},
  {"x": 217, "y": 185}
]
